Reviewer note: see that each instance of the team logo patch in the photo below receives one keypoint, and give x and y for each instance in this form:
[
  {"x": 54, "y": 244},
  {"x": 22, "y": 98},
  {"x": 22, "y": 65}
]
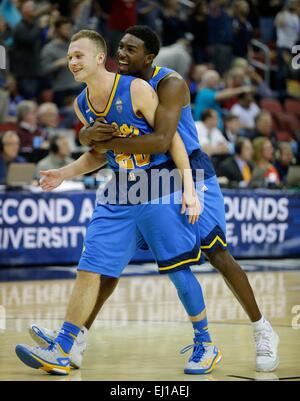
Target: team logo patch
[
  {"x": 91, "y": 120},
  {"x": 119, "y": 105}
]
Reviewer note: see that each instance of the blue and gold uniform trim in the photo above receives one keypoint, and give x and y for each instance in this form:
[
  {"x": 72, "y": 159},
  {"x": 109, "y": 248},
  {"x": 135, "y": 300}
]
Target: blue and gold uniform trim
[
  {"x": 180, "y": 262},
  {"x": 110, "y": 100},
  {"x": 156, "y": 71},
  {"x": 214, "y": 239}
]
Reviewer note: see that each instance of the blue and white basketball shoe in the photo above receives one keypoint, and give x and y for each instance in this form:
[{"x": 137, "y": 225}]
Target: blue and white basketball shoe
[
  {"x": 204, "y": 358},
  {"x": 52, "y": 360},
  {"x": 45, "y": 337}
]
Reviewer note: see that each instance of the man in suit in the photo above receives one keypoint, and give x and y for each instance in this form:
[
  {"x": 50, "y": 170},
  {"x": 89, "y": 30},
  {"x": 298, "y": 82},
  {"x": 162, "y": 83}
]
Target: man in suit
[{"x": 238, "y": 168}]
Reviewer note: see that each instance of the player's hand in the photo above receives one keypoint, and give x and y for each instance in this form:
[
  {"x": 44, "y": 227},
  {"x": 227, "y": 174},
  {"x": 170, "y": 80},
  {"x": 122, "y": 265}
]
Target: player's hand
[
  {"x": 50, "y": 179},
  {"x": 99, "y": 132},
  {"x": 191, "y": 206}
]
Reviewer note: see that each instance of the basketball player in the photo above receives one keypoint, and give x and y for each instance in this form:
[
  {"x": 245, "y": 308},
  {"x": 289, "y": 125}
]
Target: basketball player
[
  {"x": 112, "y": 233},
  {"x": 136, "y": 52}
]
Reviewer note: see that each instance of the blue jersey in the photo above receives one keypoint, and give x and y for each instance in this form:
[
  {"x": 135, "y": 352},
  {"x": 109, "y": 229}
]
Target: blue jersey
[
  {"x": 187, "y": 130},
  {"x": 119, "y": 111}
]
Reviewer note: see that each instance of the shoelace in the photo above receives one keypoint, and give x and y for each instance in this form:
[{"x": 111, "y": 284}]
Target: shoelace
[
  {"x": 198, "y": 351},
  {"x": 263, "y": 344}
]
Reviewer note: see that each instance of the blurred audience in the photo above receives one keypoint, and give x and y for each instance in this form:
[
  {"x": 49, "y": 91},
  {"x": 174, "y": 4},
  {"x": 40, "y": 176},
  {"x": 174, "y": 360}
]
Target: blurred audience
[
  {"x": 288, "y": 34},
  {"x": 177, "y": 57},
  {"x": 48, "y": 119},
  {"x": 284, "y": 160},
  {"x": 246, "y": 110},
  {"x": 242, "y": 28},
  {"x": 55, "y": 63},
  {"x": 209, "y": 97},
  {"x": 232, "y": 130},
  {"x": 264, "y": 173},
  {"x": 211, "y": 138},
  {"x": 9, "y": 153},
  {"x": 14, "y": 97},
  {"x": 25, "y": 55},
  {"x": 264, "y": 128},
  {"x": 28, "y": 131},
  {"x": 173, "y": 23},
  {"x": 238, "y": 168},
  {"x": 59, "y": 155},
  {"x": 198, "y": 26}
]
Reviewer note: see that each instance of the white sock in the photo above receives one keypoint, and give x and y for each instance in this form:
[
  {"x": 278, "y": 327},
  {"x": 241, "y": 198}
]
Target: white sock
[{"x": 260, "y": 325}]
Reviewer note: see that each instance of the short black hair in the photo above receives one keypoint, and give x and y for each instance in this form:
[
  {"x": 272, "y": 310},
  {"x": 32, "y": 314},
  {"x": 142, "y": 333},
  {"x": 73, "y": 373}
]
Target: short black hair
[
  {"x": 207, "y": 113},
  {"x": 148, "y": 36}
]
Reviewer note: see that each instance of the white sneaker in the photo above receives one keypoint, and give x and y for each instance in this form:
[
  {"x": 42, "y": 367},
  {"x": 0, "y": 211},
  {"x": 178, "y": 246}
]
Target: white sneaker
[
  {"x": 266, "y": 341},
  {"x": 44, "y": 337}
]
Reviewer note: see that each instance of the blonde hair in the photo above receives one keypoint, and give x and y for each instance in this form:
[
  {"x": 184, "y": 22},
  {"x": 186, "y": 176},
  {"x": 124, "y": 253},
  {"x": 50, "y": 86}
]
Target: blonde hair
[
  {"x": 258, "y": 147},
  {"x": 93, "y": 36}
]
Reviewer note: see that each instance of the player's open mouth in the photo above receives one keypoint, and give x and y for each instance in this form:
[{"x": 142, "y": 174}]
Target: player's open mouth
[{"x": 76, "y": 71}]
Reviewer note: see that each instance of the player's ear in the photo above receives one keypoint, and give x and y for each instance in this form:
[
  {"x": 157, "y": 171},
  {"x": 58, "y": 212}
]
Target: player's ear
[
  {"x": 101, "y": 58},
  {"x": 149, "y": 58}
]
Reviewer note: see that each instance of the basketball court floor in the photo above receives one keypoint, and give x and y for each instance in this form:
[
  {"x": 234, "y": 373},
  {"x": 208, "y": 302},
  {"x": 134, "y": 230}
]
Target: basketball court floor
[{"x": 143, "y": 327}]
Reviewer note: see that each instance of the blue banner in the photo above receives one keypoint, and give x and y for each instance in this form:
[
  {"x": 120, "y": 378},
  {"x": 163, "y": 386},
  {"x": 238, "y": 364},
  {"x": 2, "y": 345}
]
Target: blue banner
[{"x": 49, "y": 228}]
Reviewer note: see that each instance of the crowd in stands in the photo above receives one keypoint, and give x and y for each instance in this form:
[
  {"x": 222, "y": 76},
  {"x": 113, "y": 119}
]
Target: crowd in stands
[{"x": 249, "y": 125}]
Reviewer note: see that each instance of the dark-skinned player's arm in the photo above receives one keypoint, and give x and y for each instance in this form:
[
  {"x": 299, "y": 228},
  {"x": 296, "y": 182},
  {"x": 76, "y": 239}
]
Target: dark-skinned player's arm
[
  {"x": 145, "y": 103},
  {"x": 167, "y": 116},
  {"x": 88, "y": 162}
]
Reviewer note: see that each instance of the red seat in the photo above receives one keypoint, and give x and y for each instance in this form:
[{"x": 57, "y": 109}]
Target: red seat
[
  {"x": 271, "y": 105},
  {"x": 8, "y": 127},
  {"x": 284, "y": 136},
  {"x": 288, "y": 123},
  {"x": 292, "y": 107}
]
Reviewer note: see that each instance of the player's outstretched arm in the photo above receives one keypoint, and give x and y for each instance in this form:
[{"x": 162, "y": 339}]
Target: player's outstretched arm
[
  {"x": 190, "y": 201},
  {"x": 88, "y": 162}
]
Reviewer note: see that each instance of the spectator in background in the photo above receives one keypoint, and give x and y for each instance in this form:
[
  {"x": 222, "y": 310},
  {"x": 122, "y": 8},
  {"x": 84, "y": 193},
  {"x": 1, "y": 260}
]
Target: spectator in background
[
  {"x": 196, "y": 80},
  {"x": 264, "y": 128},
  {"x": 232, "y": 130},
  {"x": 210, "y": 137},
  {"x": 123, "y": 14},
  {"x": 238, "y": 169},
  {"x": 198, "y": 26},
  {"x": 209, "y": 97},
  {"x": 284, "y": 161},
  {"x": 4, "y": 102},
  {"x": 177, "y": 57},
  {"x": 246, "y": 110},
  {"x": 6, "y": 37},
  {"x": 55, "y": 63},
  {"x": 25, "y": 56},
  {"x": 48, "y": 119},
  {"x": 28, "y": 132},
  {"x": 264, "y": 172},
  {"x": 14, "y": 97},
  {"x": 59, "y": 156},
  {"x": 267, "y": 10},
  {"x": 10, "y": 12},
  {"x": 288, "y": 33},
  {"x": 148, "y": 13},
  {"x": 220, "y": 35},
  {"x": 9, "y": 153},
  {"x": 173, "y": 24},
  {"x": 242, "y": 29}
]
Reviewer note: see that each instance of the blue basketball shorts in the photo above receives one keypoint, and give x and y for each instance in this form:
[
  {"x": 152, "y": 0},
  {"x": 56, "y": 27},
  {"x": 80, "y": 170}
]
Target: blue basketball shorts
[
  {"x": 212, "y": 223},
  {"x": 115, "y": 231}
]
